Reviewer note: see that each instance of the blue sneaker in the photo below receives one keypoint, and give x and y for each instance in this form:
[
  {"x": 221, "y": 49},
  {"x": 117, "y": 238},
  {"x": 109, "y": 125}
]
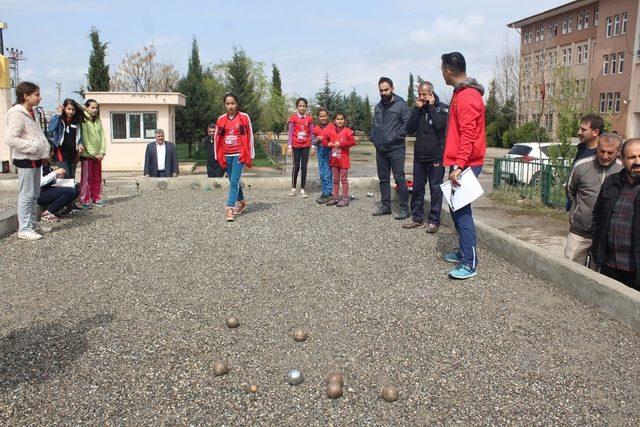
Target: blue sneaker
[
  {"x": 453, "y": 257},
  {"x": 86, "y": 206},
  {"x": 462, "y": 272},
  {"x": 100, "y": 203}
]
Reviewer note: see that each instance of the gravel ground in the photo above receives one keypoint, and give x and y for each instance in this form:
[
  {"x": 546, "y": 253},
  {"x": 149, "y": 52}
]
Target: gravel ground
[{"x": 120, "y": 314}]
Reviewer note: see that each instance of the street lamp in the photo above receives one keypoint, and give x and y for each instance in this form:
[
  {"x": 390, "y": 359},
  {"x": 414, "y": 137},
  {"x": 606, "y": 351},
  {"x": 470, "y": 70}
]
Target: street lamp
[{"x": 3, "y": 25}]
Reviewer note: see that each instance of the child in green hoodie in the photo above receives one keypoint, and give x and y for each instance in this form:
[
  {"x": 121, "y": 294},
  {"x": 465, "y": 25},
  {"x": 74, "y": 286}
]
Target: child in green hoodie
[{"x": 91, "y": 157}]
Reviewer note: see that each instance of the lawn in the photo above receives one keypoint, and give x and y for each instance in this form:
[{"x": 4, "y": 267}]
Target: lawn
[{"x": 200, "y": 156}]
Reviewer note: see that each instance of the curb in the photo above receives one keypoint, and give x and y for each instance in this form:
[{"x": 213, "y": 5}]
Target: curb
[{"x": 8, "y": 222}]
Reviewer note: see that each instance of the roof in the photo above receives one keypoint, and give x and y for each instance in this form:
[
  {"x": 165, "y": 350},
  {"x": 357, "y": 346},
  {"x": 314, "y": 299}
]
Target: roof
[
  {"x": 138, "y": 98},
  {"x": 551, "y": 12}
]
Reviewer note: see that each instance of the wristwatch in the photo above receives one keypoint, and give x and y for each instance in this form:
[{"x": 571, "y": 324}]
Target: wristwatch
[{"x": 456, "y": 167}]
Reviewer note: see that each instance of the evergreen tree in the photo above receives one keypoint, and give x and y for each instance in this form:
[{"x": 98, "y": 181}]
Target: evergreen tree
[
  {"x": 327, "y": 97},
  {"x": 242, "y": 78},
  {"x": 354, "y": 110},
  {"x": 276, "y": 113},
  {"x": 366, "y": 115},
  {"x": 492, "y": 107},
  {"x": 98, "y": 75},
  {"x": 276, "y": 82},
  {"x": 411, "y": 94}
]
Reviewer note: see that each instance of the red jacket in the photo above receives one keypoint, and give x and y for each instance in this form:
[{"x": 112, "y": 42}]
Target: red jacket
[
  {"x": 322, "y": 131},
  {"x": 466, "y": 141},
  {"x": 300, "y": 131},
  {"x": 234, "y": 136},
  {"x": 340, "y": 155}
]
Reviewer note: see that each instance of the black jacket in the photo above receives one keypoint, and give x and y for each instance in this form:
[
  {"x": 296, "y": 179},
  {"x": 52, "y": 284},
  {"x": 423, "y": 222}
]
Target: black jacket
[
  {"x": 389, "y": 127},
  {"x": 609, "y": 193},
  {"x": 214, "y": 170},
  {"x": 151, "y": 159},
  {"x": 429, "y": 123}
]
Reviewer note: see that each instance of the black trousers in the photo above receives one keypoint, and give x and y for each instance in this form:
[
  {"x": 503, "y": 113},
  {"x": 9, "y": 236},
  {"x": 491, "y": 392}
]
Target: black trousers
[
  {"x": 424, "y": 171},
  {"x": 300, "y": 160},
  {"x": 57, "y": 197},
  {"x": 214, "y": 170},
  {"x": 388, "y": 162},
  {"x": 626, "y": 277}
]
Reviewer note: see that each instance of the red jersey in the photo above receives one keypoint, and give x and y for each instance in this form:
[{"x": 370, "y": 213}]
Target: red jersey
[
  {"x": 322, "y": 131},
  {"x": 300, "y": 131},
  {"x": 340, "y": 155},
  {"x": 234, "y": 136}
]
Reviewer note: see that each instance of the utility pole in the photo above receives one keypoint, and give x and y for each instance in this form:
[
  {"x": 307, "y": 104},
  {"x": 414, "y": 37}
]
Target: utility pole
[
  {"x": 59, "y": 89},
  {"x": 15, "y": 56}
]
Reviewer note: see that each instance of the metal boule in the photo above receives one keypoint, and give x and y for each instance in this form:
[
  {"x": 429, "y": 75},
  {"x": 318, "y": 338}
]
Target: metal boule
[
  {"x": 334, "y": 390},
  {"x": 162, "y": 185},
  {"x": 220, "y": 367},
  {"x": 232, "y": 322},
  {"x": 295, "y": 377},
  {"x": 300, "y": 335},
  {"x": 390, "y": 393},
  {"x": 335, "y": 377}
]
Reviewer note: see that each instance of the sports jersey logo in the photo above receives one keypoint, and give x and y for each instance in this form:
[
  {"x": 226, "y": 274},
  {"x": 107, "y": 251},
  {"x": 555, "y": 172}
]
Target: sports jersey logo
[{"x": 231, "y": 138}]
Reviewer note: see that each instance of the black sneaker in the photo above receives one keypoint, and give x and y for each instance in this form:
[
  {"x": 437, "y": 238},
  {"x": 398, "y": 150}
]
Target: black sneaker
[
  {"x": 403, "y": 214},
  {"x": 382, "y": 211},
  {"x": 324, "y": 198}
]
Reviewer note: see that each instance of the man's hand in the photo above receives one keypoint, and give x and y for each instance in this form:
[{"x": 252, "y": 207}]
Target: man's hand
[
  {"x": 173, "y": 175},
  {"x": 80, "y": 148},
  {"x": 313, "y": 150},
  {"x": 419, "y": 103},
  {"x": 59, "y": 173},
  {"x": 319, "y": 138},
  {"x": 431, "y": 99},
  {"x": 99, "y": 157},
  {"x": 453, "y": 177},
  {"x": 289, "y": 151}
]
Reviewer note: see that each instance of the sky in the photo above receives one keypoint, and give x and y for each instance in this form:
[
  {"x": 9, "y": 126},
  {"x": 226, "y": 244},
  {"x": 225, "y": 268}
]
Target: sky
[{"x": 355, "y": 42}]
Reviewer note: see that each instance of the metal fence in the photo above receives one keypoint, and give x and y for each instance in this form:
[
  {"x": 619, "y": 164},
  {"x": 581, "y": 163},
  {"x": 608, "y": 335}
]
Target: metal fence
[{"x": 536, "y": 180}]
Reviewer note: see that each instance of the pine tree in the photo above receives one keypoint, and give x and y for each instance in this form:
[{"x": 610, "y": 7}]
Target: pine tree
[
  {"x": 276, "y": 82},
  {"x": 411, "y": 94},
  {"x": 327, "y": 97},
  {"x": 98, "y": 75},
  {"x": 353, "y": 110},
  {"x": 366, "y": 115},
  {"x": 277, "y": 110},
  {"x": 242, "y": 80}
]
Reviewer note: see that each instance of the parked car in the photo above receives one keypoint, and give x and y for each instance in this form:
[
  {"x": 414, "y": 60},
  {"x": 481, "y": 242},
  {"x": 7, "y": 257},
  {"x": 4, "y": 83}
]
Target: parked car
[{"x": 527, "y": 160}]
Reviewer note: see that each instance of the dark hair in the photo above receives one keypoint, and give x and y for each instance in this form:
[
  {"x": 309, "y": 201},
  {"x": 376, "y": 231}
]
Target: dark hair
[
  {"x": 90, "y": 101},
  {"x": 595, "y": 122},
  {"x": 625, "y": 144},
  {"x": 78, "y": 116},
  {"x": 87, "y": 103},
  {"x": 340, "y": 113},
  {"x": 230, "y": 94},
  {"x": 23, "y": 89},
  {"x": 454, "y": 62},
  {"x": 303, "y": 100},
  {"x": 211, "y": 126},
  {"x": 321, "y": 109},
  {"x": 385, "y": 80}
]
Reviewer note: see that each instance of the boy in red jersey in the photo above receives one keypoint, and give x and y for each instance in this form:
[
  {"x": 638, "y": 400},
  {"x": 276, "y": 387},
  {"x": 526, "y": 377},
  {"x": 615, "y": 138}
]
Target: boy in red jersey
[
  {"x": 320, "y": 132},
  {"x": 234, "y": 149},
  {"x": 339, "y": 139},
  {"x": 300, "y": 143}
]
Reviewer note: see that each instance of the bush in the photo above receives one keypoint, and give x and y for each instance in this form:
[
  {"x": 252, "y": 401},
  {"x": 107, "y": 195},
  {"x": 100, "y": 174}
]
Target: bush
[
  {"x": 494, "y": 139},
  {"x": 528, "y": 132}
]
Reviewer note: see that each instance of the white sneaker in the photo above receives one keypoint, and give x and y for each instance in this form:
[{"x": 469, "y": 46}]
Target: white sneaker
[
  {"x": 42, "y": 228},
  {"x": 303, "y": 194},
  {"x": 292, "y": 192},
  {"x": 29, "y": 235}
]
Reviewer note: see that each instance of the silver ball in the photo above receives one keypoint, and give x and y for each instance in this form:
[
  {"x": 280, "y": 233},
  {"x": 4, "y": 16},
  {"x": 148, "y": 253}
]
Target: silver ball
[
  {"x": 295, "y": 377},
  {"x": 352, "y": 197}
]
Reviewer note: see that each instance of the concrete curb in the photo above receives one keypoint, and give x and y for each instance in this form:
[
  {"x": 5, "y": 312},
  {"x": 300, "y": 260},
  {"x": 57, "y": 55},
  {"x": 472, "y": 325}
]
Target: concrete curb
[{"x": 8, "y": 222}]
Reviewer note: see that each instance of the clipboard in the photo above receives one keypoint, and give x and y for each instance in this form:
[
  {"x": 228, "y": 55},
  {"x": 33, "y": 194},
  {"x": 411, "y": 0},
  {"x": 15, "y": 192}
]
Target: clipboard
[{"x": 468, "y": 190}]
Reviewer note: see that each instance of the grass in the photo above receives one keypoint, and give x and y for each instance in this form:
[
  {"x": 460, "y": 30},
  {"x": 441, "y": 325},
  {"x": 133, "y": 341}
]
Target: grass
[
  {"x": 200, "y": 157},
  {"x": 531, "y": 204}
]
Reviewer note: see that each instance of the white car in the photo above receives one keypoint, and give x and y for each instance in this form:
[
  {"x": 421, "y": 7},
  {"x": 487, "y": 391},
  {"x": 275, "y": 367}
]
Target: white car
[{"x": 525, "y": 161}]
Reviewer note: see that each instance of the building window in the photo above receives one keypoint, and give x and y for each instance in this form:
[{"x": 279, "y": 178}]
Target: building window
[
  {"x": 565, "y": 24},
  {"x": 614, "y": 63},
  {"x": 133, "y": 125},
  {"x": 616, "y": 25},
  {"x": 541, "y": 32},
  {"x": 603, "y": 103},
  {"x": 609, "y": 27},
  {"x": 609, "y": 101},
  {"x": 585, "y": 53},
  {"x": 625, "y": 19},
  {"x": 580, "y": 21},
  {"x": 586, "y": 19},
  {"x": 620, "y": 62},
  {"x": 550, "y": 29},
  {"x": 596, "y": 15},
  {"x": 555, "y": 27},
  {"x": 579, "y": 54},
  {"x": 569, "y": 27},
  {"x": 616, "y": 102},
  {"x": 605, "y": 65}
]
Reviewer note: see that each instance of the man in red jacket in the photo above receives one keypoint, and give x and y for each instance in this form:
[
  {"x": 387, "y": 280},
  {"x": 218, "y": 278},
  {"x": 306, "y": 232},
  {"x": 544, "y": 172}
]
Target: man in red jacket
[{"x": 465, "y": 147}]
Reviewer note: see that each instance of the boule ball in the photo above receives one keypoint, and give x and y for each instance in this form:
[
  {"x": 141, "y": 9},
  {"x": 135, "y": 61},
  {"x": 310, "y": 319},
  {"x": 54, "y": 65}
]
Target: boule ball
[
  {"x": 300, "y": 335},
  {"x": 232, "y": 322},
  {"x": 352, "y": 197},
  {"x": 220, "y": 367},
  {"x": 163, "y": 185},
  {"x": 390, "y": 393},
  {"x": 335, "y": 377},
  {"x": 295, "y": 377},
  {"x": 334, "y": 390}
]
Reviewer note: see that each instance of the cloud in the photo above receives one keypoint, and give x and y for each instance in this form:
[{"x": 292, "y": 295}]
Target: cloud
[{"x": 464, "y": 31}]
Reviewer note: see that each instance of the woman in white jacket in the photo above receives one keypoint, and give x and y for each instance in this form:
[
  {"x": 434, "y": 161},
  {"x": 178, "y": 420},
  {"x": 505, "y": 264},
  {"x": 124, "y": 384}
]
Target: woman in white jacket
[{"x": 30, "y": 146}]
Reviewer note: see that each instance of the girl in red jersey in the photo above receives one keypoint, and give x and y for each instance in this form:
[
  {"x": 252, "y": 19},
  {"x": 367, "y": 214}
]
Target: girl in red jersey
[
  {"x": 339, "y": 139},
  {"x": 324, "y": 154},
  {"x": 300, "y": 143},
  {"x": 233, "y": 150}
]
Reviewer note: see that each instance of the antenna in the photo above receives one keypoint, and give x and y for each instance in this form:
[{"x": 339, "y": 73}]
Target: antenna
[{"x": 15, "y": 56}]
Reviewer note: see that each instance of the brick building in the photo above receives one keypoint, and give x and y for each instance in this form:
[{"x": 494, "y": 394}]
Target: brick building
[{"x": 593, "y": 44}]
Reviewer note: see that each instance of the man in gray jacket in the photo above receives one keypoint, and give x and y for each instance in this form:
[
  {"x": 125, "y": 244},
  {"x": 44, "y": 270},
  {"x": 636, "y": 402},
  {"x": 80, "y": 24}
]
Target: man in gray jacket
[
  {"x": 388, "y": 131},
  {"x": 585, "y": 181}
]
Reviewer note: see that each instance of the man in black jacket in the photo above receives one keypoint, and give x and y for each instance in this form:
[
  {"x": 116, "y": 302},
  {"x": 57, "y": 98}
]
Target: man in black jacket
[
  {"x": 388, "y": 131},
  {"x": 214, "y": 170},
  {"x": 428, "y": 121},
  {"x": 616, "y": 220}
]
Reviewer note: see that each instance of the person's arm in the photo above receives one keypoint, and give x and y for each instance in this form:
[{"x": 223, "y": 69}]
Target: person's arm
[
  {"x": 401, "y": 130},
  {"x": 53, "y": 124},
  {"x": 469, "y": 112},
  {"x": 15, "y": 128},
  {"x": 412, "y": 124},
  {"x": 251, "y": 146},
  {"x": 174, "y": 152},
  {"x": 439, "y": 118},
  {"x": 48, "y": 178},
  {"x": 572, "y": 186},
  {"x": 290, "y": 140},
  {"x": 103, "y": 141},
  {"x": 350, "y": 140},
  {"x": 313, "y": 135},
  {"x": 596, "y": 221},
  {"x": 147, "y": 160}
]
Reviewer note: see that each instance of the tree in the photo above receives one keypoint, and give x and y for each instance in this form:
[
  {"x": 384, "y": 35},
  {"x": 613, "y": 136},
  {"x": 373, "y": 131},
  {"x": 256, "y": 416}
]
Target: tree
[
  {"x": 192, "y": 119},
  {"x": 411, "y": 94},
  {"x": 140, "y": 72},
  {"x": 275, "y": 115},
  {"x": 98, "y": 75},
  {"x": 327, "y": 97},
  {"x": 367, "y": 115},
  {"x": 568, "y": 105}
]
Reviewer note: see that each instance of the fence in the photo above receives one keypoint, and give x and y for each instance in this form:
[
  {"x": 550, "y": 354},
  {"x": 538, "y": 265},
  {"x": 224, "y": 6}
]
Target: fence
[{"x": 535, "y": 180}]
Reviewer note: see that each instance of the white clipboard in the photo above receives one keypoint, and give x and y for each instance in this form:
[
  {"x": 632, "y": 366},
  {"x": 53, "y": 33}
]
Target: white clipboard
[
  {"x": 468, "y": 190},
  {"x": 64, "y": 183}
]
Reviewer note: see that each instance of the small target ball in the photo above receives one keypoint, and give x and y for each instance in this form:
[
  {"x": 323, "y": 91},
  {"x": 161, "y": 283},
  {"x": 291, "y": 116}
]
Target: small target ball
[
  {"x": 334, "y": 390},
  {"x": 253, "y": 388},
  {"x": 335, "y": 377},
  {"x": 232, "y": 322},
  {"x": 220, "y": 367},
  {"x": 300, "y": 335},
  {"x": 390, "y": 393}
]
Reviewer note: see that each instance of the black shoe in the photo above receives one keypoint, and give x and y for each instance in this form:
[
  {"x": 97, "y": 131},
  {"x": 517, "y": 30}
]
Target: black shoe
[
  {"x": 382, "y": 211},
  {"x": 324, "y": 198},
  {"x": 403, "y": 214}
]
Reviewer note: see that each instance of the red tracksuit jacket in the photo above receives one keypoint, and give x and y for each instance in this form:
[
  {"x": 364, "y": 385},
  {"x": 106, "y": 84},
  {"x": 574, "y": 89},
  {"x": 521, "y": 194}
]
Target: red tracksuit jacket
[
  {"x": 466, "y": 141},
  {"x": 322, "y": 131},
  {"x": 340, "y": 155},
  {"x": 234, "y": 136},
  {"x": 300, "y": 130}
]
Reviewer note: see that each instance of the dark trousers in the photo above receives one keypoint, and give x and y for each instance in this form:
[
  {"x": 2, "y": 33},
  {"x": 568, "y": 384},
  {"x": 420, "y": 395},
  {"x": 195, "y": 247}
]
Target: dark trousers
[
  {"x": 626, "y": 277},
  {"x": 466, "y": 228},
  {"x": 161, "y": 174},
  {"x": 69, "y": 168},
  {"x": 214, "y": 170},
  {"x": 386, "y": 163},
  {"x": 57, "y": 197},
  {"x": 433, "y": 172},
  {"x": 300, "y": 160}
]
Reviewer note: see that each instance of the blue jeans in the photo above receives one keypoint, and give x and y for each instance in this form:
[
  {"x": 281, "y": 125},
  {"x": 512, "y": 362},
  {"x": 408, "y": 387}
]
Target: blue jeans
[
  {"x": 234, "y": 171},
  {"x": 466, "y": 228},
  {"x": 324, "y": 154},
  {"x": 433, "y": 172}
]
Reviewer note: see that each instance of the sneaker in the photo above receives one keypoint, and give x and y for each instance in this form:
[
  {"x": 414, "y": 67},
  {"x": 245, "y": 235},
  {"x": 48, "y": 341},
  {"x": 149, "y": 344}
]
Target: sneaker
[
  {"x": 228, "y": 214},
  {"x": 39, "y": 228},
  {"x": 453, "y": 257},
  {"x": 240, "y": 206},
  {"x": 382, "y": 211},
  {"x": 86, "y": 206},
  {"x": 432, "y": 228},
  {"x": 343, "y": 202},
  {"x": 29, "y": 234},
  {"x": 292, "y": 192},
  {"x": 332, "y": 202},
  {"x": 48, "y": 216},
  {"x": 100, "y": 203},
  {"x": 412, "y": 224},
  {"x": 324, "y": 198},
  {"x": 303, "y": 194},
  {"x": 462, "y": 272},
  {"x": 403, "y": 214}
]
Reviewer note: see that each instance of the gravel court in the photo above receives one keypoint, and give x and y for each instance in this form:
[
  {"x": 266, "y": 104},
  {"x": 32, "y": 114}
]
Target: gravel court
[{"x": 124, "y": 325}]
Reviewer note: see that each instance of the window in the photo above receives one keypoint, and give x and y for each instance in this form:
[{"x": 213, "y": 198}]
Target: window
[
  {"x": 570, "y": 24},
  {"x": 541, "y": 32},
  {"x": 596, "y": 15},
  {"x": 609, "y": 101},
  {"x": 555, "y": 27},
  {"x": 609, "y": 27},
  {"x": 580, "y": 20},
  {"x": 616, "y": 25},
  {"x": 133, "y": 125},
  {"x": 530, "y": 34},
  {"x": 566, "y": 56},
  {"x": 569, "y": 62},
  {"x": 565, "y": 22},
  {"x": 614, "y": 63},
  {"x": 579, "y": 54},
  {"x": 585, "y": 53},
  {"x": 603, "y": 103},
  {"x": 550, "y": 29},
  {"x": 605, "y": 65},
  {"x": 620, "y": 62},
  {"x": 586, "y": 19},
  {"x": 625, "y": 19},
  {"x": 616, "y": 102},
  {"x": 537, "y": 33}
]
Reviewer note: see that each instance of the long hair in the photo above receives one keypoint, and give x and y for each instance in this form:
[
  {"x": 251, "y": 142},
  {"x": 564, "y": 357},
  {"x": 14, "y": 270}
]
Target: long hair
[
  {"x": 23, "y": 89},
  {"x": 78, "y": 116}
]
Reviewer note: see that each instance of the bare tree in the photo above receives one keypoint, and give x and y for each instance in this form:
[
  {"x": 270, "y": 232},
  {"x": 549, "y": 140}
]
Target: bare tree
[
  {"x": 140, "y": 71},
  {"x": 507, "y": 72}
]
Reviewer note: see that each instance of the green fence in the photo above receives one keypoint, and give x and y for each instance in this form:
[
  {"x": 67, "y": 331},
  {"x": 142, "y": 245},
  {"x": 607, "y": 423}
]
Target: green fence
[{"x": 535, "y": 180}]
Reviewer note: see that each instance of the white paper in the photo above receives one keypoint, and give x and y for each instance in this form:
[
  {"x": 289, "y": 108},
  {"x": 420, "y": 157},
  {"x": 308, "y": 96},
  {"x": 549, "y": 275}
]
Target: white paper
[
  {"x": 468, "y": 190},
  {"x": 64, "y": 183}
]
